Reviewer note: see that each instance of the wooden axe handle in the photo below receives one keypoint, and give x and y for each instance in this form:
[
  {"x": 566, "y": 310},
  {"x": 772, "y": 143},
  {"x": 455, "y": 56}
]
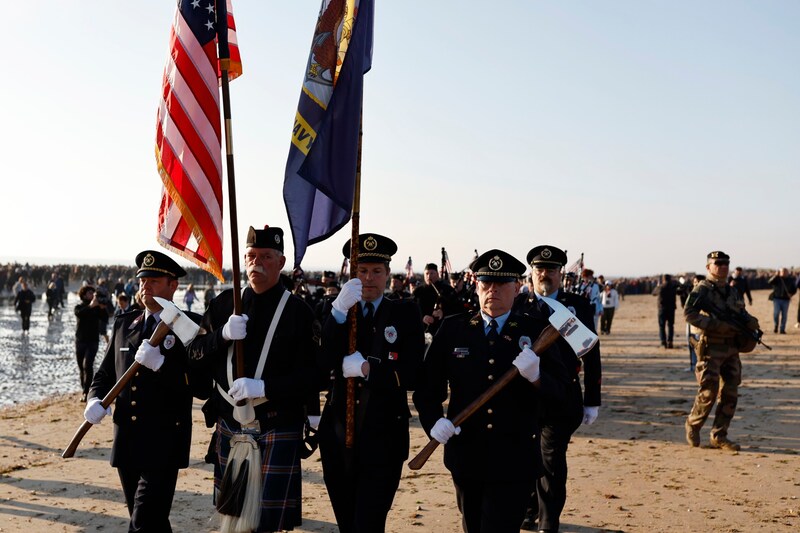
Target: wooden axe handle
[
  {"x": 546, "y": 339},
  {"x": 160, "y": 332}
]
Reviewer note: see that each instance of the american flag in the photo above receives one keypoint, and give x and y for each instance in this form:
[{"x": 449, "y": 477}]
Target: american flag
[
  {"x": 188, "y": 135},
  {"x": 576, "y": 267}
]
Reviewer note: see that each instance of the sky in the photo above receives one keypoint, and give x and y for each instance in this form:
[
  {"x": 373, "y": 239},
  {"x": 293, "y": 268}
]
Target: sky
[{"x": 641, "y": 134}]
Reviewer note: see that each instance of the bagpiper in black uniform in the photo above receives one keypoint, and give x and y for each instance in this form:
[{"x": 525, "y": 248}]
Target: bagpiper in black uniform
[
  {"x": 362, "y": 480},
  {"x": 494, "y": 456},
  {"x": 279, "y": 393},
  {"x": 559, "y": 421}
]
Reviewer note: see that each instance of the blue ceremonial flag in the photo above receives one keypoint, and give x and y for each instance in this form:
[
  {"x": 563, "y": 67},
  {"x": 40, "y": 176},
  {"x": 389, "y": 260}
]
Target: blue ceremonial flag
[{"x": 321, "y": 168}]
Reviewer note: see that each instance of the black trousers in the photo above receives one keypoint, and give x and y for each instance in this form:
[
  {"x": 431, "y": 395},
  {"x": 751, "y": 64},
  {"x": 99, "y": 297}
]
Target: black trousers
[
  {"x": 492, "y": 507},
  {"x": 361, "y": 496},
  {"x": 85, "y": 353},
  {"x": 551, "y": 487},
  {"x": 149, "y": 494}
]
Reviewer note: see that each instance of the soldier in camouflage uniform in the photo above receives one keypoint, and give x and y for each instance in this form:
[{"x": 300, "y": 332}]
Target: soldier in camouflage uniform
[{"x": 718, "y": 350}]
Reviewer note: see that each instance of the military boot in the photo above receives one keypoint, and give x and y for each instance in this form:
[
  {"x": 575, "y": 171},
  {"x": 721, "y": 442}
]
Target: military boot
[
  {"x": 692, "y": 436},
  {"x": 723, "y": 443}
]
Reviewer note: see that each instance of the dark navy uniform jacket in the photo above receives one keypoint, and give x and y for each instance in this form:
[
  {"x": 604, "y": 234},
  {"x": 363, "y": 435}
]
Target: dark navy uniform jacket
[
  {"x": 394, "y": 348},
  {"x": 153, "y": 413},
  {"x": 584, "y": 311},
  {"x": 500, "y": 442}
]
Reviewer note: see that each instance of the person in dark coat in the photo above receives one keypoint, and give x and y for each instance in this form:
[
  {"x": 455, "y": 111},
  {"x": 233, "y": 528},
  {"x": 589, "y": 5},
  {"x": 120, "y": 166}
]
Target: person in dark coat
[
  {"x": 278, "y": 378},
  {"x": 153, "y": 413},
  {"x": 362, "y": 480},
  {"x": 494, "y": 455},
  {"x": 559, "y": 421},
  {"x": 23, "y": 304},
  {"x": 88, "y": 315},
  {"x": 666, "y": 291}
]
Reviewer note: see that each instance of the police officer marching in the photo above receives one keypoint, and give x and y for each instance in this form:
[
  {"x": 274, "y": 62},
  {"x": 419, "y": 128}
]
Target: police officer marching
[
  {"x": 153, "y": 413},
  {"x": 494, "y": 456},
  {"x": 559, "y": 421}
]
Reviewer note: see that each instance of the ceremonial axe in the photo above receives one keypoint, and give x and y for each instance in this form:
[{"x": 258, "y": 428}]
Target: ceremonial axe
[
  {"x": 172, "y": 319},
  {"x": 562, "y": 323}
]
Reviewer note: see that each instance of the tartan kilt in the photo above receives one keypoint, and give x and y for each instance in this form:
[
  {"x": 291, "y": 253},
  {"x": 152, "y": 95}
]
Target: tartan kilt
[{"x": 281, "y": 480}]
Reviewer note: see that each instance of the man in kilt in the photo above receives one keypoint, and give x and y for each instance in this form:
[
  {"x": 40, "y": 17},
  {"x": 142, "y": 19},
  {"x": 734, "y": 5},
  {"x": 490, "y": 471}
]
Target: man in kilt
[{"x": 278, "y": 377}]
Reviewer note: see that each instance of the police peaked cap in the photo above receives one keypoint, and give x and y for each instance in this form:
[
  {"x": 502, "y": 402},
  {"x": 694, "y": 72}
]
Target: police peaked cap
[
  {"x": 718, "y": 256},
  {"x": 497, "y": 265},
  {"x": 372, "y": 248},
  {"x": 153, "y": 264},
  {"x": 547, "y": 256},
  {"x": 265, "y": 238}
]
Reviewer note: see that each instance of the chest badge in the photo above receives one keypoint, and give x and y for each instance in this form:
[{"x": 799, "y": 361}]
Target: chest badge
[
  {"x": 169, "y": 341},
  {"x": 525, "y": 342},
  {"x": 460, "y": 353},
  {"x": 390, "y": 334}
]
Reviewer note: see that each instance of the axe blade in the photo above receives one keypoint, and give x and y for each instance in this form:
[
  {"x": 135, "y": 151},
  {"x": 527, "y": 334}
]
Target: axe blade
[
  {"x": 180, "y": 324},
  {"x": 580, "y": 338}
]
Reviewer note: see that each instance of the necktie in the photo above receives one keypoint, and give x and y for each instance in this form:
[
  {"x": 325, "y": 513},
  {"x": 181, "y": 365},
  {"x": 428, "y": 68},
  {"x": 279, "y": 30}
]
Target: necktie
[
  {"x": 369, "y": 318},
  {"x": 492, "y": 334},
  {"x": 149, "y": 326}
]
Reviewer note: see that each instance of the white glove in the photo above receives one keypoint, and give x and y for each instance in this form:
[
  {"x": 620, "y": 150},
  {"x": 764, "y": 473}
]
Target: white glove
[
  {"x": 443, "y": 429},
  {"x": 244, "y": 388},
  {"x": 235, "y": 328},
  {"x": 528, "y": 364},
  {"x": 590, "y": 414},
  {"x": 351, "y": 365},
  {"x": 94, "y": 411},
  {"x": 349, "y": 296},
  {"x": 149, "y": 356}
]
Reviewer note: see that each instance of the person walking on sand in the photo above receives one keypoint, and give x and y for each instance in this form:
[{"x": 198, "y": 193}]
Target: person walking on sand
[
  {"x": 719, "y": 368},
  {"x": 153, "y": 412},
  {"x": 783, "y": 288},
  {"x": 23, "y": 304}
]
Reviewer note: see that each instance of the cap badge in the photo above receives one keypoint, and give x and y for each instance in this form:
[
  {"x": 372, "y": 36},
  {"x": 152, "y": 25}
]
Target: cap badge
[
  {"x": 148, "y": 260},
  {"x": 370, "y": 244},
  {"x": 546, "y": 253},
  {"x": 277, "y": 239},
  {"x": 495, "y": 263}
]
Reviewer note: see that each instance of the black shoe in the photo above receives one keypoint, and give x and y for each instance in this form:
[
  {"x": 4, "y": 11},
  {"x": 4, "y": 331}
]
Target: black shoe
[
  {"x": 669, "y": 345},
  {"x": 783, "y": 333},
  {"x": 775, "y": 330}
]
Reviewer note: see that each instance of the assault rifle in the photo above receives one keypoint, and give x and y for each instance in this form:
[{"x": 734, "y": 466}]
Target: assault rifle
[{"x": 737, "y": 320}]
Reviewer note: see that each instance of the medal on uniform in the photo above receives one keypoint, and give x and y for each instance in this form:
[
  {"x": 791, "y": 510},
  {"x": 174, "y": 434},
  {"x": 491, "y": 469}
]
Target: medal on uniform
[
  {"x": 525, "y": 342},
  {"x": 169, "y": 341},
  {"x": 390, "y": 334}
]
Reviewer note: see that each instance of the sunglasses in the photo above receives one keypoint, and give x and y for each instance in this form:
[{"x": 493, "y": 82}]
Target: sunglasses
[{"x": 722, "y": 263}]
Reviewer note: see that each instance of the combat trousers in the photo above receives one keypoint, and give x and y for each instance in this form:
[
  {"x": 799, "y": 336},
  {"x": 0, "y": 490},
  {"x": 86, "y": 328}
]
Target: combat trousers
[{"x": 720, "y": 363}]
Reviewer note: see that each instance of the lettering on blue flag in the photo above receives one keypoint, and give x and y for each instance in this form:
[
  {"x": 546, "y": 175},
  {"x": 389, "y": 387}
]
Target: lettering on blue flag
[{"x": 323, "y": 155}]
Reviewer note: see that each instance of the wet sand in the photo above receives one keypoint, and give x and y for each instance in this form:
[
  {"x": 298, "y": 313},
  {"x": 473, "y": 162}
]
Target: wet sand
[{"x": 630, "y": 471}]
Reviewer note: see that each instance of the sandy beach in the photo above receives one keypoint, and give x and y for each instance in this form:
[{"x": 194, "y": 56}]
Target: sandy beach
[{"x": 630, "y": 471}]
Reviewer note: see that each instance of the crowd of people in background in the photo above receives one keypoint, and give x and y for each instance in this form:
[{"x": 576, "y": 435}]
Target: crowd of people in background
[{"x": 52, "y": 282}]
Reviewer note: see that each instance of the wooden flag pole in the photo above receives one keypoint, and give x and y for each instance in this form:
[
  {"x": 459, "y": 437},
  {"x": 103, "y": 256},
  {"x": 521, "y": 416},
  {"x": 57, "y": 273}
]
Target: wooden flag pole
[
  {"x": 224, "y": 64},
  {"x": 350, "y": 418}
]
